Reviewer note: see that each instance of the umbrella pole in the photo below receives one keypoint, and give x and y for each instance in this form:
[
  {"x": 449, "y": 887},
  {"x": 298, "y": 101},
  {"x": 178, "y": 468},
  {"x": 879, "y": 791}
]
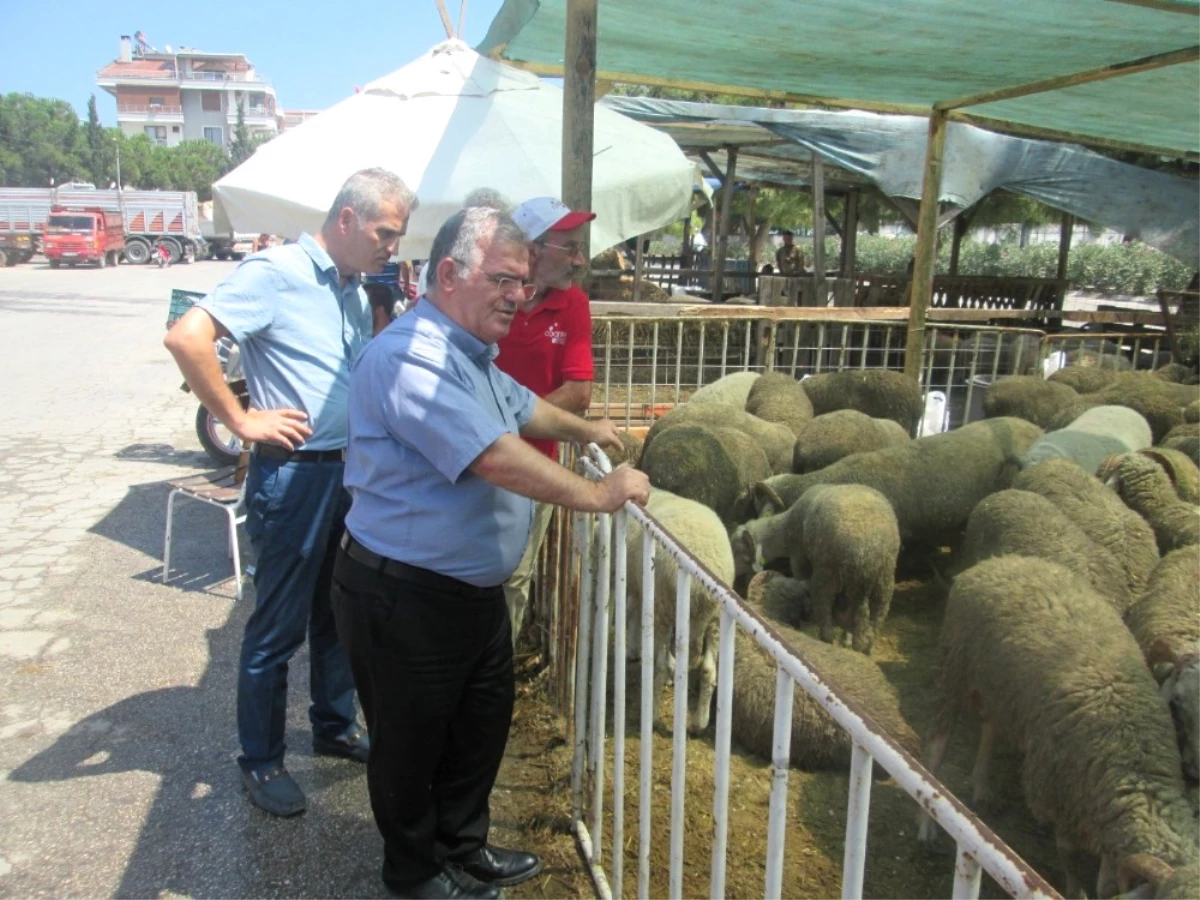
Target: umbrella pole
[{"x": 579, "y": 102}]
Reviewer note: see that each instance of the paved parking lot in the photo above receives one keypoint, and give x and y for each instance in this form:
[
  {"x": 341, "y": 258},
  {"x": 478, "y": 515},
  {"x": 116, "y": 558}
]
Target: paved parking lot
[{"x": 117, "y": 738}]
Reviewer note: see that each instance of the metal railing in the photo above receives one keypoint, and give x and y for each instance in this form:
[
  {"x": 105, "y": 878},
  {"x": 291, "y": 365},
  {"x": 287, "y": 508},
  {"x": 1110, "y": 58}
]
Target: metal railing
[
  {"x": 149, "y": 109},
  {"x": 600, "y": 545}
]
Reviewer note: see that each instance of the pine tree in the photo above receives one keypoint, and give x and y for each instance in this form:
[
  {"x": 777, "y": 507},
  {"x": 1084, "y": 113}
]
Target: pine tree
[
  {"x": 97, "y": 152},
  {"x": 242, "y": 146}
]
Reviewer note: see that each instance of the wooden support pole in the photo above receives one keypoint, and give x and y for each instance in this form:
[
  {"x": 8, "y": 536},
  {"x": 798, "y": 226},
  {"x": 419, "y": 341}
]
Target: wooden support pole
[
  {"x": 445, "y": 14},
  {"x": 579, "y": 105},
  {"x": 1064, "y": 244},
  {"x": 722, "y": 231},
  {"x": 752, "y": 228},
  {"x": 638, "y": 263},
  {"x": 818, "y": 254},
  {"x": 927, "y": 217},
  {"x": 850, "y": 238},
  {"x": 685, "y": 252}
]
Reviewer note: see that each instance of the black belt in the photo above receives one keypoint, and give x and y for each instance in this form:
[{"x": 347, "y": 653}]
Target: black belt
[
  {"x": 393, "y": 568},
  {"x": 273, "y": 451}
]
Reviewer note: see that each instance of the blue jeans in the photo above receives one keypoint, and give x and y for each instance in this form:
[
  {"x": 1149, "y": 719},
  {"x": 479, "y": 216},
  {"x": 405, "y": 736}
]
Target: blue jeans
[{"x": 294, "y": 516}]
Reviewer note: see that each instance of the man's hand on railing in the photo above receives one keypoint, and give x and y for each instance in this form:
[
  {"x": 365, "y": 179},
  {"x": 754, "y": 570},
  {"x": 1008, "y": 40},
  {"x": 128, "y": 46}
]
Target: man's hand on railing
[{"x": 623, "y": 484}]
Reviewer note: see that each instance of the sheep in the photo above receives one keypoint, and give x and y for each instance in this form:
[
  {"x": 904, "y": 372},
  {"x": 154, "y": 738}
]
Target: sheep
[
  {"x": 876, "y": 392},
  {"x": 776, "y": 397},
  {"x": 1147, "y": 490},
  {"x": 1174, "y": 372},
  {"x": 1098, "y": 433},
  {"x": 817, "y": 741},
  {"x": 729, "y": 390},
  {"x": 1100, "y": 514},
  {"x": 1019, "y": 354},
  {"x": 1191, "y": 412},
  {"x": 1184, "y": 474},
  {"x": 710, "y": 465},
  {"x": 1161, "y": 402},
  {"x": 1099, "y": 354},
  {"x": 699, "y": 530},
  {"x": 846, "y": 538},
  {"x": 630, "y": 452},
  {"x": 832, "y": 436},
  {"x": 933, "y": 482},
  {"x": 775, "y": 440},
  {"x": 1084, "y": 379},
  {"x": 1028, "y": 397},
  {"x": 1186, "y": 439},
  {"x": 1166, "y": 624},
  {"x": 1049, "y": 664},
  {"x": 1026, "y": 524}
]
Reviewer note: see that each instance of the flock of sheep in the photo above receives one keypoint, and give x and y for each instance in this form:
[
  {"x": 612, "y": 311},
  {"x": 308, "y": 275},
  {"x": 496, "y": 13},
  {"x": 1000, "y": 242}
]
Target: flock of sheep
[{"x": 1072, "y": 626}]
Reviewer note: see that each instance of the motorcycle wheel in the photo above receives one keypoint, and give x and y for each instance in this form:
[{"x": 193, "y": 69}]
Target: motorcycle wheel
[{"x": 221, "y": 444}]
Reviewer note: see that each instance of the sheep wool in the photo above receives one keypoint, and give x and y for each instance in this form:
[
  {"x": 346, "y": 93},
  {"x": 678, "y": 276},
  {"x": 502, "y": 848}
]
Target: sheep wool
[
  {"x": 1099, "y": 513},
  {"x": 1050, "y": 666},
  {"x": 1191, "y": 412},
  {"x": 1028, "y": 397},
  {"x": 833, "y": 436},
  {"x": 775, "y": 440},
  {"x": 1095, "y": 435},
  {"x": 1147, "y": 490},
  {"x": 876, "y": 392},
  {"x": 729, "y": 390},
  {"x": 1165, "y": 621},
  {"x": 1186, "y": 439},
  {"x": 1084, "y": 379},
  {"x": 776, "y": 397}
]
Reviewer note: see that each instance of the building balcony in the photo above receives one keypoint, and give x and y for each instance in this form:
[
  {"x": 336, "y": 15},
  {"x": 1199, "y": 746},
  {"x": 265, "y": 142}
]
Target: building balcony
[
  {"x": 149, "y": 111},
  {"x": 213, "y": 79},
  {"x": 255, "y": 115}
]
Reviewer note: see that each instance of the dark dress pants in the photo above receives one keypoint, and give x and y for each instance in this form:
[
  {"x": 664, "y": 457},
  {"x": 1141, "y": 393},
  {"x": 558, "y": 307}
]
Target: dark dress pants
[{"x": 432, "y": 661}]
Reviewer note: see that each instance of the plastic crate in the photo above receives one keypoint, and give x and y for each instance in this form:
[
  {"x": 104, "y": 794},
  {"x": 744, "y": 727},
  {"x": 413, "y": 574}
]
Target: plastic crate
[{"x": 181, "y": 302}]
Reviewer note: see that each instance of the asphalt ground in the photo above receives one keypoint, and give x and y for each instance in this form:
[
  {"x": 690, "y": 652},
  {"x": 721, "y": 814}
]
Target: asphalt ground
[{"x": 118, "y": 745}]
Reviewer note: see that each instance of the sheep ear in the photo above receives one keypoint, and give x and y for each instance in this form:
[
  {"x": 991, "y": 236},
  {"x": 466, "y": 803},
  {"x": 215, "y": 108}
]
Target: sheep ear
[
  {"x": 1141, "y": 875},
  {"x": 766, "y": 501},
  {"x": 1160, "y": 653}
]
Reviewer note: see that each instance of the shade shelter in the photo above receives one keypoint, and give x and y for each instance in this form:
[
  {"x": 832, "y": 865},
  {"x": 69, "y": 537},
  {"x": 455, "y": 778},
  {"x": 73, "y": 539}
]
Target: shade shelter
[
  {"x": 448, "y": 123},
  {"x": 1115, "y": 73}
]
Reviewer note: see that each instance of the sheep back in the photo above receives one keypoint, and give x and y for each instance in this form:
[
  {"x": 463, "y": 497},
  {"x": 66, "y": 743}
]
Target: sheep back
[
  {"x": 876, "y": 392},
  {"x": 1028, "y": 397},
  {"x": 1165, "y": 621},
  {"x": 932, "y": 483},
  {"x": 1179, "y": 467},
  {"x": 1022, "y": 523},
  {"x": 1147, "y": 490},
  {"x": 728, "y": 390},
  {"x": 776, "y": 397},
  {"x": 1084, "y": 379},
  {"x": 1053, "y": 667},
  {"x": 835, "y": 435},
  {"x": 775, "y": 440},
  {"x": 1092, "y": 437},
  {"x": 1191, "y": 412},
  {"x": 1099, "y": 513},
  {"x": 1186, "y": 439}
]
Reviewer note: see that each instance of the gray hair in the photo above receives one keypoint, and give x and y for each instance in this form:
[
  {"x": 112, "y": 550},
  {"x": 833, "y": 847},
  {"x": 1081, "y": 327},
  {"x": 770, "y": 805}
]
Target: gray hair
[
  {"x": 461, "y": 234},
  {"x": 489, "y": 197},
  {"x": 367, "y": 190}
]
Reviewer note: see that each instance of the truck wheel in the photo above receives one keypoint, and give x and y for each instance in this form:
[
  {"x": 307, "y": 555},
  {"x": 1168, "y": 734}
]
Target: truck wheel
[
  {"x": 54, "y": 263},
  {"x": 238, "y": 256},
  {"x": 174, "y": 251},
  {"x": 101, "y": 260},
  {"x": 137, "y": 252},
  {"x": 222, "y": 255}
]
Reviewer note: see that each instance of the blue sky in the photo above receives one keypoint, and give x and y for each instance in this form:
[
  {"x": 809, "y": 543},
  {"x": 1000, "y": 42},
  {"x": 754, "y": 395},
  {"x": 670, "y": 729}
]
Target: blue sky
[{"x": 55, "y": 48}]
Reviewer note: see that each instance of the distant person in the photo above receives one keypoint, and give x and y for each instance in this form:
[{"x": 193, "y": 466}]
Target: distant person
[
  {"x": 767, "y": 269},
  {"x": 300, "y": 317},
  {"x": 789, "y": 259}
]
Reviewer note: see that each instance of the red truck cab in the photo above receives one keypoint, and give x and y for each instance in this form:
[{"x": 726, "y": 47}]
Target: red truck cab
[{"x": 83, "y": 235}]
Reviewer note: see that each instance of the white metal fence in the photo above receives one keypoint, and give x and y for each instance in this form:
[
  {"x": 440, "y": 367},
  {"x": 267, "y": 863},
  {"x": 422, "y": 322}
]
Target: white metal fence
[{"x": 600, "y": 546}]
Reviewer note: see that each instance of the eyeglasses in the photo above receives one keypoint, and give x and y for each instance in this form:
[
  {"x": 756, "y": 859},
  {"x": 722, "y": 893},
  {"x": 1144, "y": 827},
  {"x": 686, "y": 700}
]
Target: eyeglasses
[
  {"x": 571, "y": 249},
  {"x": 509, "y": 286}
]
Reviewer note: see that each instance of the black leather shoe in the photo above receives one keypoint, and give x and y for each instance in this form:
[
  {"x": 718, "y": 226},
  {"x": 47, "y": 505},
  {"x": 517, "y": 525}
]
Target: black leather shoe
[
  {"x": 495, "y": 865},
  {"x": 354, "y": 744},
  {"x": 273, "y": 790},
  {"x": 451, "y": 882}
]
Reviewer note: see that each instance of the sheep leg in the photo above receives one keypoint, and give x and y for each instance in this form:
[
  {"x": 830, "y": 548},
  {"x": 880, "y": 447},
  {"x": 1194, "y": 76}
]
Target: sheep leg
[
  {"x": 981, "y": 793},
  {"x": 863, "y": 634},
  {"x": 935, "y": 752},
  {"x": 706, "y": 680},
  {"x": 1079, "y": 866},
  {"x": 824, "y": 592}
]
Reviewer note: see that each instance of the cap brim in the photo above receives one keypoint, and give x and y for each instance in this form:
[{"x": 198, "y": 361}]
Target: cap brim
[{"x": 571, "y": 221}]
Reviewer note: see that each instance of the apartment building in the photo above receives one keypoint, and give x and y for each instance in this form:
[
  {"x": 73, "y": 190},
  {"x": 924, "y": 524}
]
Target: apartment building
[{"x": 186, "y": 94}]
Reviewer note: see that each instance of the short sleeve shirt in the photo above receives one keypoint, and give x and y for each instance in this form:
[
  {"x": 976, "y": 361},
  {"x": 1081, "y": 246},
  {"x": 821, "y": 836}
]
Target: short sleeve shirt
[
  {"x": 299, "y": 330},
  {"x": 789, "y": 260},
  {"x": 548, "y": 345},
  {"x": 426, "y": 399}
]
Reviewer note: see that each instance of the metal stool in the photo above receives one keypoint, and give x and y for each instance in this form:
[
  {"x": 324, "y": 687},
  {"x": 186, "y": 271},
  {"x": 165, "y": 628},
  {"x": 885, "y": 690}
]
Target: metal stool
[{"x": 222, "y": 488}]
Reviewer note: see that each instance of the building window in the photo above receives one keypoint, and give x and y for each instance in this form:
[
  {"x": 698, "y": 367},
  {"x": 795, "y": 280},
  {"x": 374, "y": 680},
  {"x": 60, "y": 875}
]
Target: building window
[
  {"x": 174, "y": 129},
  {"x": 156, "y": 133},
  {"x": 156, "y": 102},
  {"x": 210, "y": 101},
  {"x": 215, "y": 135}
]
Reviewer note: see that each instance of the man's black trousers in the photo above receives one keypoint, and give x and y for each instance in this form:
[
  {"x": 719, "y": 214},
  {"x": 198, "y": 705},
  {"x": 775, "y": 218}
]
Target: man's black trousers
[{"x": 433, "y": 665}]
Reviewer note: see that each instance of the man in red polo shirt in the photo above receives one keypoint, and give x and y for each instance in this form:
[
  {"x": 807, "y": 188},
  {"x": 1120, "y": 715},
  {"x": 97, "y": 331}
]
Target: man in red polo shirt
[{"x": 548, "y": 348}]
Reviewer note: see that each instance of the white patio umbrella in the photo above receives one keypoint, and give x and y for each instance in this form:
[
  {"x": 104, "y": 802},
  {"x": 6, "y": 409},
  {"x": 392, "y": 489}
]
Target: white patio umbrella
[{"x": 448, "y": 123}]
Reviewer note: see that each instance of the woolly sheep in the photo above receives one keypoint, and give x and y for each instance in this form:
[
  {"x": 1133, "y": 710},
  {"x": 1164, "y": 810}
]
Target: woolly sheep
[
  {"x": 1186, "y": 439},
  {"x": 843, "y": 536},
  {"x": 1028, "y": 397},
  {"x": 1161, "y": 402},
  {"x": 1147, "y": 490},
  {"x": 699, "y": 530},
  {"x": 1022, "y": 523},
  {"x": 1166, "y": 619},
  {"x": 1084, "y": 379},
  {"x": 1191, "y": 412},
  {"x": 933, "y": 482},
  {"x": 1173, "y": 371},
  {"x": 1184, "y": 474},
  {"x": 775, "y": 440},
  {"x": 817, "y": 741},
  {"x": 876, "y": 392},
  {"x": 729, "y": 390},
  {"x": 1050, "y": 665},
  {"x": 710, "y": 465},
  {"x": 832, "y": 436},
  {"x": 776, "y": 397},
  {"x": 630, "y": 452},
  {"x": 1099, "y": 513},
  {"x": 1097, "y": 434}
]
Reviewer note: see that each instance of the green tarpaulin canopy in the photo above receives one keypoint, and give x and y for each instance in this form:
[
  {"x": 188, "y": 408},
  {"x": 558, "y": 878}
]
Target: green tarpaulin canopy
[{"x": 906, "y": 57}]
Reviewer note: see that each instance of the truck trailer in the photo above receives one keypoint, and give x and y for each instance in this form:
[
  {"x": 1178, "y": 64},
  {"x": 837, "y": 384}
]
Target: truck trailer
[{"x": 23, "y": 213}]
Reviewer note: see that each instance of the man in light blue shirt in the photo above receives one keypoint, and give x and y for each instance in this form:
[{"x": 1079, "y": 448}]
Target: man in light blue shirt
[
  {"x": 442, "y": 485},
  {"x": 300, "y": 318}
]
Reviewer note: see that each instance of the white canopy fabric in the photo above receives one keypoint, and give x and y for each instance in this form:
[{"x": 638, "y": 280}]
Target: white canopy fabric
[{"x": 448, "y": 123}]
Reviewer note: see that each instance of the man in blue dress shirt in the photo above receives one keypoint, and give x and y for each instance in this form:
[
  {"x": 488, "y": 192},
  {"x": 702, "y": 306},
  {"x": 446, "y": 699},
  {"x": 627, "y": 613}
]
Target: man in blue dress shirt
[
  {"x": 442, "y": 488},
  {"x": 300, "y": 316}
]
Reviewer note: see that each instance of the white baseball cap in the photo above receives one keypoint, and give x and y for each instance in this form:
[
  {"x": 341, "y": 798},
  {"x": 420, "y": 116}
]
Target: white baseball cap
[{"x": 541, "y": 214}]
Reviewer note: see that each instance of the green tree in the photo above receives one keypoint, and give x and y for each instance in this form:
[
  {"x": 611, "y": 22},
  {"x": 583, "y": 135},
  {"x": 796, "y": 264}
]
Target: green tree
[
  {"x": 197, "y": 164},
  {"x": 96, "y": 139},
  {"x": 242, "y": 146},
  {"x": 40, "y": 142}
]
